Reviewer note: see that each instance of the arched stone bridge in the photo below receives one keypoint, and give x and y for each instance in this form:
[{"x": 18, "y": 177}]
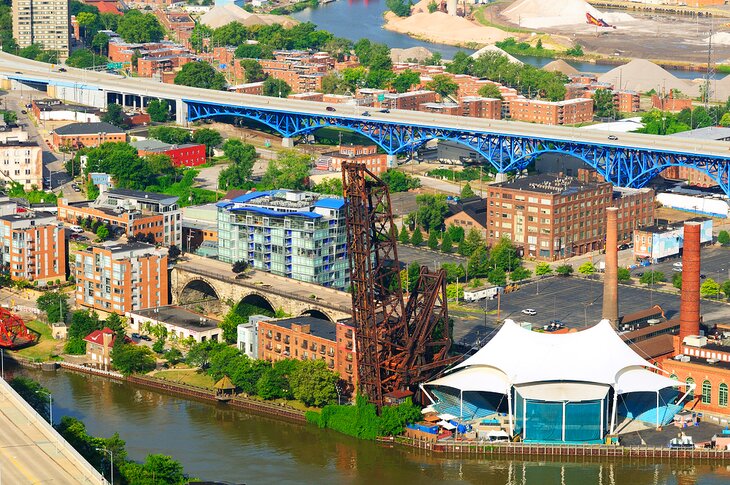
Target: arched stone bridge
[{"x": 217, "y": 291}]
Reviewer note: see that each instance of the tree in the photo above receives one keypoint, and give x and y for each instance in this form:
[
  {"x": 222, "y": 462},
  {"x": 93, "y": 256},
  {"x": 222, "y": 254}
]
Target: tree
[
  {"x": 652, "y": 277},
  {"x": 726, "y": 288},
  {"x": 520, "y": 273},
  {"x": 290, "y": 170},
  {"x": 603, "y": 106},
  {"x": 174, "y": 356},
  {"x": 624, "y": 275},
  {"x": 274, "y": 383},
  {"x": 723, "y": 237},
  {"x": 490, "y": 91},
  {"x": 710, "y": 289},
  {"x": 159, "y": 110},
  {"x": 416, "y": 237},
  {"x": 331, "y": 186},
  {"x": 252, "y": 70},
  {"x": 542, "y": 269},
  {"x": 200, "y": 74},
  {"x": 201, "y": 353},
  {"x": 433, "y": 240},
  {"x": 402, "y": 8},
  {"x": 102, "y": 233},
  {"x": 170, "y": 134},
  {"x": 443, "y": 85},
  {"x": 33, "y": 393},
  {"x": 114, "y": 115},
  {"x": 157, "y": 468},
  {"x": 173, "y": 252},
  {"x": 432, "y": 6},
  {"x": 446, "y": 244},
  {"x": 404, "y": 237},
  {"x": 100, "y": 42},
  {"x": 398, "y": 181},
  {"x": 276, "y": 88},
  {"x": 504, "y": 255},
  {"x": 478, "y": 265},
  {"x": 467, "y": 192},
  {"x": 471, "y": 242},
  {"x": 239, "y": 266},
  {"x": 249, "y": 51},
  {"x": 55, "y": 305},
  {"x": 405, "y": 80},
  {"x": 564, "y": 270},
  {"x": 83, "y": 58},
  {"x": 677, "y": 280},
  {"x": 412, "y": 273},
  {"x": 209, "y": 138},
  {"x": 587, "y": 268},
  {"x": 455, "y": 232},
  {"x": 314, "y": 384},
  {"x": 432, "y": 210},
  {"x": 497, "y": 277},
  {"x": 132, "y": 359},
  {"x": 137, "y": 27},
  {"x": 243, "y": 156},
  {"x": 725, "y": 120}
]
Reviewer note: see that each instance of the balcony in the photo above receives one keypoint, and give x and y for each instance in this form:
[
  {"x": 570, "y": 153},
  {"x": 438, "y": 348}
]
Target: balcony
[
  {"x": 278, "y": 338},
  {"x": 349, "y": 345},
  {"x": 305, "y": 344}
]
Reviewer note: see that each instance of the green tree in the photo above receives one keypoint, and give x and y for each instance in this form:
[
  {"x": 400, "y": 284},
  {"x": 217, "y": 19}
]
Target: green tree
[
  {"x": 313, "y": 384},
  {"x": 542, "y": 269},
  {"x": 230, "y": 324},
  {"x": 432, "y": 210},
  {"x": 520, "y": 273},
  {"x": 587, "y": 268},
  {"x": 576, "y": 51},
  {"x": 276, "y": 88},
  {"x": 405, "y": 80},
  {"x": 209, "y": 138},
  {"x": 432, "y": 6},
  {"x": 102, "y": 233},
  {"x": 159, "y": 110},
  {"x": 331, "y": 186},
  {"x": 200, "y": 74},
  {"x": 238, "y": 173},
  {"x": 624, "y": 275},
  {"x": 710, "y": 289},
  {"x": 497, "y": 277},
  {"x": 394, "y": 418},
  {"x": 443, "y": 85},
  {"x": 114, "y": 115},
  {"x": 490, "y": 91},
  {"x": 33, "y": 393},
  {"x": 652, "y": 277},
  {"x": 723, "y": 237},
  {"x": 85, "y": 20},
  {"x": 252, "y": 70},
  {"x": 132, "y": 359},
  {"x": 433, "y": 240},
  {"x": 504, "y": 255},
  {"x": 726, "y": 288},
  {"x": 416, "y": 237},
  {"x": 603, "y": 106},
  {"x": 83, "y": 58},
  {"x": 677, "y": 280},
  {"x": 137, "y": 27},
  {"x": 398, "y": 181},
  {"x": 564, "y": 270},
  {"x": 725, "y": 120},
  {"x": 479, "y": 264},
  {"x": 249, "y": 51},
  {"x": 201, "y": 353},
  {"x": 446, "y": 244},
  {"x": 402, "y": 8},
  {"x": 467, "y": 192},
  {"x": 100, "y": 42},
  {"x": 404, "y": 237},
  {"x": 170, "y": 134},
  {"x": 174, "y": 356},
  {"x": 412, "y": 272},
  {"x": 455, "y": 232},
  {"x": 54, "y": 304},
  {"x": 290, "y": 170}
]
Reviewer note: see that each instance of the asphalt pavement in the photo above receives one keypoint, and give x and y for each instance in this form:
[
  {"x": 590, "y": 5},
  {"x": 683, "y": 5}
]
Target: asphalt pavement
[
  {"x": 424, "y": 256},
  {"x": 715, "y": 264}
]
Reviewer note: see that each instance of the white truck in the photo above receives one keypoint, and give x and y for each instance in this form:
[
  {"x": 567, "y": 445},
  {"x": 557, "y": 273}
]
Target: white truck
[{"x": 476, "y": 294}]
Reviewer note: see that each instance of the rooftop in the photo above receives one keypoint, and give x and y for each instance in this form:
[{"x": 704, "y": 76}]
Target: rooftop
[
  {"x": 180, "y": 317},
  {"x": 660, "y": 227},
  {"x": 141, "y": 195},
  {"x": 87, "y": 128},
  {"x": 548, "y": 184},
  {"x": 133, "y": 246},
  {"x": 283, "y": 202},
  {"x": 317, "y": 327},
  {"x": 708, "y": 133},
  {"x": 28, "y": 216}
]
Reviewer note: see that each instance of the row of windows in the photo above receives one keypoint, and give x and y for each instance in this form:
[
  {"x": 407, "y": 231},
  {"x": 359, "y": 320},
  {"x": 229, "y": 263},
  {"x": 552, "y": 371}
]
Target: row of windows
[{"x": 722, "y": 395}]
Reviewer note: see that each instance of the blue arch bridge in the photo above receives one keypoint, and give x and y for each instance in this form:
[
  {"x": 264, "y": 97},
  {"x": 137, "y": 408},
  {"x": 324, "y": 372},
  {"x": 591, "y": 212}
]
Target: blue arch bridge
[{"x": 624, "y": 166}]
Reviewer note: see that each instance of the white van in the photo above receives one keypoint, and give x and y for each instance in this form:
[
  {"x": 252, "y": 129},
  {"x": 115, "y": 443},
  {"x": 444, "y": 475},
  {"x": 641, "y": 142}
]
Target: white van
[{"x": 76, "y": 229}]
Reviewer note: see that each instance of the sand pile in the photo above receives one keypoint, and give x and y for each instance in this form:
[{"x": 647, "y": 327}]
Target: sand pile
[
  {"x": 642, "y": 76},
  {"x": 222, "y": 15},
  {"x": 444, "y": 29},
  {"x": 537, "y": 14},
  {"x": 403, "y": 55},
  {"x": 721, "y": 38},
  {"x": 560, "y": 65}
]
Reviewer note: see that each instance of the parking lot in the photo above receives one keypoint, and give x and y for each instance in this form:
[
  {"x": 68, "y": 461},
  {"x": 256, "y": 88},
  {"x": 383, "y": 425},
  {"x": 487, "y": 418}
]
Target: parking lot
[
  {"x": 575, "y": 301},
  {"x": 715, "y": 264},
  {"x": 424, "y": 256}
]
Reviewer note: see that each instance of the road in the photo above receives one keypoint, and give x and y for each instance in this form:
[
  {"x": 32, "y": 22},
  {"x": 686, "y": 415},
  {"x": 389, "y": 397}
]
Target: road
[{"x": 16, "y": 67}]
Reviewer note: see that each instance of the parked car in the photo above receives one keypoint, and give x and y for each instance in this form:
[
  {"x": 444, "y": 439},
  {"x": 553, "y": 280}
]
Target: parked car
[
  {"x": 366, "y": 113},
  {"x": 135, "y": 335},
  {"x": 529, "y": 311},
  {"x": 676, "y": 269},
  {"x": 639, "y": 274},
  {"x": 22, "y": 111},
  {"x": 61, "y": 69},
  {"x": 76, "y": 229},
  {"x": 386, "y": 110},
  {"x": 678, "y": 264},
  {"x": 703, "y": 276},
  {"x": 623, "y": 246},
  {"x": 145, "y": 337},
  {"x": 330, "y": 108}
]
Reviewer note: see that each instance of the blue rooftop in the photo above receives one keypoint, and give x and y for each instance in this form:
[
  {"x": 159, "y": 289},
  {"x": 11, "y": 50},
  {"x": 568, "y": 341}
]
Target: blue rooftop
[
  {"x": 330, "y": 203},
  {"x": 252, "y": 195},
  {"x": 273, "y": 213}
]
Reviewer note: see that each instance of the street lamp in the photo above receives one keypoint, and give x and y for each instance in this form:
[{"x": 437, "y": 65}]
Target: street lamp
[{"x": 111, "y": 467}]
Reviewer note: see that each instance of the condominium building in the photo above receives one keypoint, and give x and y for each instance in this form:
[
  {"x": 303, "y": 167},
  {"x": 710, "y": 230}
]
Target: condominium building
[
  {"x": 22, "y": 163},
  {"x": 300, "y": 235},
  {"x": 33, "y": 247},
  {"x": 309, "y": 338},
  {"x": 134, "y": 211},
  {"x": 120, "y": 278},
  {"x": 44, "y": 22},
  {"x": 368, "y": 155},
  {"x": 568, "y": 112}
]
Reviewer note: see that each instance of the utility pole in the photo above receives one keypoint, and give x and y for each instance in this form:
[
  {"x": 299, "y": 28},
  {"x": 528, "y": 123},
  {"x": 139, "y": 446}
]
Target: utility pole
[{"x": 710, "y": 75}]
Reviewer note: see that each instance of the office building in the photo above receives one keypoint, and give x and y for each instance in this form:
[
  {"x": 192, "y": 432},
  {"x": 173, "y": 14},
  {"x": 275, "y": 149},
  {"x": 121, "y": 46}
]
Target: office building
[
  {"x": 300, "y": 235},
  {"x": 44, "y": 22},
  {"x": 33, "y": 247}
]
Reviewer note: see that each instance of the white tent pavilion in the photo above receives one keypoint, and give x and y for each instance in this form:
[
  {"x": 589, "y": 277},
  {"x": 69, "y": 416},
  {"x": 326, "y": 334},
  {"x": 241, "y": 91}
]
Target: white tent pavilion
[{"x": 569, "y": 369}]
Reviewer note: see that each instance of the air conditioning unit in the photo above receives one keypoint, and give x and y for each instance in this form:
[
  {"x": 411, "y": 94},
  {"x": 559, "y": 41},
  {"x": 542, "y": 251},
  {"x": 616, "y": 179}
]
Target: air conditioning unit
[
  {"x": 678, "y": 357},
  {"x": 695, "y": 341},
  {"x": 713, "y": 361}
]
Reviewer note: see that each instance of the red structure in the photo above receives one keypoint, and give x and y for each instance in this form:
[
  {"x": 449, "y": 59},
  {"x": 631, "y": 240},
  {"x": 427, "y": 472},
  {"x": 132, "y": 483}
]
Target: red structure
[
  {"x": 689, "y": 309},
  {"x": 610, "y": 279},
  {"x": 399, "y": 344},
  {"x": 13, "y": 332}
]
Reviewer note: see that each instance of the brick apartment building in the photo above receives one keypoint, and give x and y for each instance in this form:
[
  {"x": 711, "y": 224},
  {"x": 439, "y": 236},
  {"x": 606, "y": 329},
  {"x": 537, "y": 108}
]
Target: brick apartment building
[
  {"x": 179, "y": 25},
  {"x": 120, "y": 278},
  {"x": 136, "y": 212},
  {"x": 256, "y": 88},
  {"x": 187, "y": 155},
  {"x": 301, "y": 70},
  {"x": 80, "y": 135},
  {"x": 410, "y": 100},
  {"x": 33, "y": 247},
  {"x": 670, "y": 103},
  {"x": 690, "y": 175},
  {"x": 21, "y": 162},
  {"x": 308, "y": 338},
  {"x": 567, "y": 112},
  {"x": 627, "y": 101},
  {"x": 367, "y": 154}
]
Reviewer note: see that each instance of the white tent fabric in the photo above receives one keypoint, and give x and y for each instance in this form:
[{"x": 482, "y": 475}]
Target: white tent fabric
[
  {"x": 478, "y": 378},
  {"x": 563, "y": 391},
  {"x": 595, "y": 355},
  {"x": 642, "y": 380}
]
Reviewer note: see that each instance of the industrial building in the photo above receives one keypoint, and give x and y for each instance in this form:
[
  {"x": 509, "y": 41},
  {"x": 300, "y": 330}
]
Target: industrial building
[
  {"x": 300, "y": 235},
  {"x": 663, "y": 240}
]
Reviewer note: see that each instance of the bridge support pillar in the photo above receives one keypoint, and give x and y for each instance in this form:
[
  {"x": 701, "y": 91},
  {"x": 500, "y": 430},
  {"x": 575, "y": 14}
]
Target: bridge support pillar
[
  {"x": 181, "y": 112},
  {"x": 392, "y": 161},
  {"x": 500, "y": 177},
  {"x": 287, "y": 142}
]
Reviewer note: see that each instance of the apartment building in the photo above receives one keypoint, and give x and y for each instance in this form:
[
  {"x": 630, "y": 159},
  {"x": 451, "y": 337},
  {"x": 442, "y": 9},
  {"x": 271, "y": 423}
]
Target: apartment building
[
  {"x": 33, "y": 247},
  {"x": 627, "y": 101},
  {"x": 86, "y": 135},
  {"x": 300, "y": 70},
  {"x": 186, "y": 155},
  {"x": 44, "y": 22},
  {"x": 376, "y": 162},
  {"x": 22, "y": 162},
  {"x": 549, "y": 216},
  {"x": 179, "y": 25},
  {"x": 670, "y": 103},
  {"x": 567, "y": 112},
  {"x": 120, "y": 278},
  {"x": 410, "y": 100},
  {"x": 309, "y": 338},
  {"x": 300, "y": 235},
  {"x": 479, "y": 107},
  {"x": 134, "y": 211}
]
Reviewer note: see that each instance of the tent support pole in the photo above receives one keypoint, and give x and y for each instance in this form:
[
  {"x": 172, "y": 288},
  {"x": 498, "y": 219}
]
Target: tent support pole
[
  {"x": 461, "y": 406},
  {"x": 563, "y": 430},
  {"x": 423, "y": 390},
  {"x": 613, "y": 411},
  {"x": 657, "y": 409},
  {"x": 509, "y": 413}
]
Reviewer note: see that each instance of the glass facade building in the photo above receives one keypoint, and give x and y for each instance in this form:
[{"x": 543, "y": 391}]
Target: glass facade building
[{"x": 300, "y": 235}]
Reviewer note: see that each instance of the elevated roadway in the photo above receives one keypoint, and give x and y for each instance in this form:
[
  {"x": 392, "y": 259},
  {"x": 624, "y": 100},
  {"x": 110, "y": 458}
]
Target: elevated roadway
[
  {"x": 32, "y": 452},
  {"x": 629, "y": 160}
]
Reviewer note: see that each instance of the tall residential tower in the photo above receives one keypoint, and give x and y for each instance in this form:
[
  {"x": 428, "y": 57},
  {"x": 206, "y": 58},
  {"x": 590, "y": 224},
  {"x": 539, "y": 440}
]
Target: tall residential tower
[{"x": 43, "y": 22}]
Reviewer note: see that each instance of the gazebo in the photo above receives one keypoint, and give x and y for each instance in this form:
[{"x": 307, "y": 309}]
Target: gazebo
[{"x": 224, "y": 389}]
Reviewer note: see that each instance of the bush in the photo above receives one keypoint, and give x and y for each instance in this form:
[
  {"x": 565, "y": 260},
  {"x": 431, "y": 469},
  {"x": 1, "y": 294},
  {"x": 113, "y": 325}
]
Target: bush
[
  {"x": 723, "y": 237},
  {"x": 564, "y": 270}
]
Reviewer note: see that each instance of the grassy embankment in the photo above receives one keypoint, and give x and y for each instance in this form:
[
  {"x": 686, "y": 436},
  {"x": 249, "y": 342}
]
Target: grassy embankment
[{"x": 47, "y": 347}]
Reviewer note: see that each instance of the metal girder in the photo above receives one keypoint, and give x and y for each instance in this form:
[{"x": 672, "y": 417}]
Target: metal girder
[
  {"x": 13, "y": 332},
  {"x": 622, "y": 166}
]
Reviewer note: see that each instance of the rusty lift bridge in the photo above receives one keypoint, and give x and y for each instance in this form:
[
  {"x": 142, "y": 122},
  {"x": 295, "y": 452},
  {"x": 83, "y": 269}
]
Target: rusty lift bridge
[
  {"x": 13, "y": 332},
  {"x": 399, "y": 344}
]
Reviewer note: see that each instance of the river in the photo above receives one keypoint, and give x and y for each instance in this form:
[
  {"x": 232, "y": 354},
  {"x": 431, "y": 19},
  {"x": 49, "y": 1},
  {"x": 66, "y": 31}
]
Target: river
[
  {"x": 215, "y": 442},
  {"x": 357, "y": 19}
]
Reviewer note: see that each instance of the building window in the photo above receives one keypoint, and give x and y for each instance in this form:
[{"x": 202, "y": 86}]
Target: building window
[
  {"x": 723, "y": 395},
  {"x": 691, "y": 392},
  {"x": 706, "y": 392}
]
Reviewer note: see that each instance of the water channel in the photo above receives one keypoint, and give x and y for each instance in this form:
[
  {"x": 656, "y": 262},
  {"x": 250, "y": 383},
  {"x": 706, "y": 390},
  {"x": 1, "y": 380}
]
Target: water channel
[
  {"x": 214, "y": 442},
  {"x": 357, "y": 19}
]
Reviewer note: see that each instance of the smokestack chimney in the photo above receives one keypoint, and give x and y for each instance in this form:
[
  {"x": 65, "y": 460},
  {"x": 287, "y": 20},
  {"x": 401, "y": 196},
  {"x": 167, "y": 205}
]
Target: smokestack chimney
[
  {"x": 610, "y": 277},
  {"x": 689, "y": 309}
]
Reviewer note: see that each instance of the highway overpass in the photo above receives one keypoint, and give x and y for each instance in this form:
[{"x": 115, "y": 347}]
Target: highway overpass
[{"x": 630, "y": 160}]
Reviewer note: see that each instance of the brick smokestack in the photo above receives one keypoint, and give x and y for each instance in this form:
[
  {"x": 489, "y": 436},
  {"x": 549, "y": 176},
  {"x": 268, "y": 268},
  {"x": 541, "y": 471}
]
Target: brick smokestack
[
  {"x": 689, "y": 310},
  {"x": 610, "y": 276}
]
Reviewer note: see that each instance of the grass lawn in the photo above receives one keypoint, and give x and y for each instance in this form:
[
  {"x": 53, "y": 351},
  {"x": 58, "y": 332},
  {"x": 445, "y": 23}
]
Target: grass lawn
[
  {"x": 191, "y": 377},
  {"x": 46, "y": 348}
]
